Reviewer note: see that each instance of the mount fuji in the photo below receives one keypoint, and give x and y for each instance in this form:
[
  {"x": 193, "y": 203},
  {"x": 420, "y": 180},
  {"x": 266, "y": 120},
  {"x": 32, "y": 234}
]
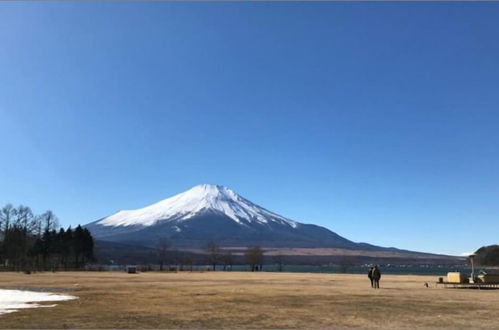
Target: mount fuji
[{"x": 216, "y": 213}]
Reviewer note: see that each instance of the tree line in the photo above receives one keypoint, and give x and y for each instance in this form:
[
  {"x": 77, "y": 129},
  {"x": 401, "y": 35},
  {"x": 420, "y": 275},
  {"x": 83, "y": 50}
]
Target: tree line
[
  {"x": 30, "y": 242},
  {"x": 215, "y": 256},
  {"x": 487, "y": 256}
]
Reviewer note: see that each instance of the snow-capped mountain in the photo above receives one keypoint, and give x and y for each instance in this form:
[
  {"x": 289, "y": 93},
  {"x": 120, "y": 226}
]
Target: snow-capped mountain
[
  {"x": 193, "y": 202},
  {"x": 212, "y": 213}
]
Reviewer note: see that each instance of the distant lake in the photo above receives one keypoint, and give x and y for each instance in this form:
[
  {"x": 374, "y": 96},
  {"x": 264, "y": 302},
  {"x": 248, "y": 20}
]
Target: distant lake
[
  {"x": 436, "y": 270},
  {"x": 385, "y": 269}
]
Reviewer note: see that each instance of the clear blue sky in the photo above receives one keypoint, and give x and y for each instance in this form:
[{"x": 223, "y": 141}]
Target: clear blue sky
[{"x": 379, "y": 121}]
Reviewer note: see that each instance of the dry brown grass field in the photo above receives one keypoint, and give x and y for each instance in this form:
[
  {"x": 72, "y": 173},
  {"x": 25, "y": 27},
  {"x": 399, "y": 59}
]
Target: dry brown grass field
[{"x": 249, "y": 300}]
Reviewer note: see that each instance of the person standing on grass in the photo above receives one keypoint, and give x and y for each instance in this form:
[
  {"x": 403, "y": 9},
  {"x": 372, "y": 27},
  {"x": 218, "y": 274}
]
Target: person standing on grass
[
  {"x": 370, "y": 275},
  {"x": 376, "y": 275}
]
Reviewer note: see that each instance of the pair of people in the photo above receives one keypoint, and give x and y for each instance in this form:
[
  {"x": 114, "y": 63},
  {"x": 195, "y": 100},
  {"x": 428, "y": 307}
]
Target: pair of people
[{"x": 374, "y": 275}]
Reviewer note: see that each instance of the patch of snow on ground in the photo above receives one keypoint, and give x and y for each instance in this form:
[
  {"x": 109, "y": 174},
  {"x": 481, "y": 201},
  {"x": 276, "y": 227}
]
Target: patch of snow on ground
[{"x": 13, "y": 300}]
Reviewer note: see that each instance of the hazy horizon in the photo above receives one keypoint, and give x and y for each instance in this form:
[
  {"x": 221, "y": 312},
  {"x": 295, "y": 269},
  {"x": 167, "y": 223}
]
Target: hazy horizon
[{"x": 378, "y": 121}]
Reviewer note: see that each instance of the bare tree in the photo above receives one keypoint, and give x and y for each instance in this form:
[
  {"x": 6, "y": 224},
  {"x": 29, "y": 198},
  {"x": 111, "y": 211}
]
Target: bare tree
[
  {"x": 254, "y": 257},
  {"x": 213, "y": 252},
  {"x": 189, "y": 261},
  {"x": 345, "y": 262},
  {"x": 176, "y": 258},
  {"x": 37, "y": 227},
  {"x": 24, "y": 218},
  {"x": 6, "y": 217},
  {"x": 228, "y": 260},
  {"x": 181, "y": 259},
  {"x": 163, "y": 246},
  {"x": 49, "y": 221},
  {"x": 279, "y": 260}
]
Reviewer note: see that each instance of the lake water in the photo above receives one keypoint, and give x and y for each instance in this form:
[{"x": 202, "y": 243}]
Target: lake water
[
  {"x": 331, "y": 269},
  {"x": 385, "y": 269}
]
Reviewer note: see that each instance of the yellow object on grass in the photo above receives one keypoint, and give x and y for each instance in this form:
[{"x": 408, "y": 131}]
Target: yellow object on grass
[{"x": 455, "y": 277}]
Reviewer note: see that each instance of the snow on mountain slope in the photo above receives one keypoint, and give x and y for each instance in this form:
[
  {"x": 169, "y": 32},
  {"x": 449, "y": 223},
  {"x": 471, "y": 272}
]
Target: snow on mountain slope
[
  {"x": 210, "y": 213},
  {"x": 196, "y": 200}
]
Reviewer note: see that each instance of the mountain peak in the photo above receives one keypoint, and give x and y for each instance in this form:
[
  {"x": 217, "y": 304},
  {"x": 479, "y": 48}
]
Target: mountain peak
[
  {"x": 197, "y": 200},
  {"x": 210, "y": 190},
  {"x": 209, "y": 186}
]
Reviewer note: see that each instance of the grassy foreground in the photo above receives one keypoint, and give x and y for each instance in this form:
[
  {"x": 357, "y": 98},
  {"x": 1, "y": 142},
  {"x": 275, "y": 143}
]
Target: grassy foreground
[{"x": 249, "y": 300}]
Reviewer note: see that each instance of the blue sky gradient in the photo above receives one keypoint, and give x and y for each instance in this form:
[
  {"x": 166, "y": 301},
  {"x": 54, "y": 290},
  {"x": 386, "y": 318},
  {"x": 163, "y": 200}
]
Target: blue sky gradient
[{"x": 379, "y": 121}]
